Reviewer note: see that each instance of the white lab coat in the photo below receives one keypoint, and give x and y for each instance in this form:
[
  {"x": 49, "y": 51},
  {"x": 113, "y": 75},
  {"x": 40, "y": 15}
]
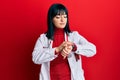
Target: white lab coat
[{"x": 43, "y": 53}]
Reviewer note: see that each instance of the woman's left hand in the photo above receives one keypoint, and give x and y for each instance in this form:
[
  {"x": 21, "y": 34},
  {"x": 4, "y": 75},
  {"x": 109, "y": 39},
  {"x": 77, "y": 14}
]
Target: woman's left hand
[{"x": 66, "y": 50}]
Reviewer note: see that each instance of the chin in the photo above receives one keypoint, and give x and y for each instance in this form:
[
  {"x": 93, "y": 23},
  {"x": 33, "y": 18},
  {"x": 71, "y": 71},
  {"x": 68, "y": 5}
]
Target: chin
[{"x": 62, "y": 27}]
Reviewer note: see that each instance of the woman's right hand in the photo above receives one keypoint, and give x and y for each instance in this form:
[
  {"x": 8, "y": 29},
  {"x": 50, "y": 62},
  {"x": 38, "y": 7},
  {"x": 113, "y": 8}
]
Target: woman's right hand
[{"x": 60, "y": 48}]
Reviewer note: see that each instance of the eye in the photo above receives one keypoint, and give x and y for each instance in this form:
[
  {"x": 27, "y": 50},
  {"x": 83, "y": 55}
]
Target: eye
[
  {"x": 65, "y": 16},
  {"x": 57, "y": 16}
]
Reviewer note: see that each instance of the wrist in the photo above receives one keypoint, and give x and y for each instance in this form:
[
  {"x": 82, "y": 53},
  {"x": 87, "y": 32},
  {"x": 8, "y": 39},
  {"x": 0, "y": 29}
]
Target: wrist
[{"x": 57, "y": 50}]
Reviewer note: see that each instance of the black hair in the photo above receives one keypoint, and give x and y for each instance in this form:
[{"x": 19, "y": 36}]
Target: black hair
[{"x": 54, "y": 10}]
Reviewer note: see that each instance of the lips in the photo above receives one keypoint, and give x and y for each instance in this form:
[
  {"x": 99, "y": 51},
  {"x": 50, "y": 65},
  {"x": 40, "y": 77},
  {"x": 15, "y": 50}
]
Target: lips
[{"x": 62, "y": 23}]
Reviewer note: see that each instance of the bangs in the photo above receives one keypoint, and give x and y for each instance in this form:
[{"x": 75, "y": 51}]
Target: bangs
[{"x": 59, "y": 10}]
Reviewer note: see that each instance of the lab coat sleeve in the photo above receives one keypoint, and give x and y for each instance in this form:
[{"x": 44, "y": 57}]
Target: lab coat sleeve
[
  {"x": 42, "y": 53},
  {"x": 84, "y": 47}
]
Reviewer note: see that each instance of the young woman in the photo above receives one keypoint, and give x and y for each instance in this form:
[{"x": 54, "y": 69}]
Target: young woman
[{"x": 59, "y": 50}]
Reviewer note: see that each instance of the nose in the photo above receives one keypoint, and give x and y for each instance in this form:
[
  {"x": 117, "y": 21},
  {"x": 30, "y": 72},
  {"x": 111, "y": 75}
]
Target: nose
[{"x": 62, "y": 18}]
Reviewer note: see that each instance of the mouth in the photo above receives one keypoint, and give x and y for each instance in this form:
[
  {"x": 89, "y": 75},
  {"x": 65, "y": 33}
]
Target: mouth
[{"x": 62, "y": 23}]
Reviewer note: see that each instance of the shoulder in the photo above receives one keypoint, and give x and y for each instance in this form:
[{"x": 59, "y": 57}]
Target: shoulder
[
  {"x": 76, "y": 35},
  {"x": 42, "y": 37}
]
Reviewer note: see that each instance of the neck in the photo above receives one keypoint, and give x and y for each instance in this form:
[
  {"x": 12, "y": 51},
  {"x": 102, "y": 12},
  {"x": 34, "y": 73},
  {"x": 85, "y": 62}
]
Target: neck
[{"x": 59, "y": 31}]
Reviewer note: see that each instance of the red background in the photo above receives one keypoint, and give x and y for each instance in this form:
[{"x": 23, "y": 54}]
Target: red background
[{"x": 22, "y": 21}]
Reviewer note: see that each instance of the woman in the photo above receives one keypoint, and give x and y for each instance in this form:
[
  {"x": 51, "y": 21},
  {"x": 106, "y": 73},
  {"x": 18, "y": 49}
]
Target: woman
[{"x": 59, "y": 49}]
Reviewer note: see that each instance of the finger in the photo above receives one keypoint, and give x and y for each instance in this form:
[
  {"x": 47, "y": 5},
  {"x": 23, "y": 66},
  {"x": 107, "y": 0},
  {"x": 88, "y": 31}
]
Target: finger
[
  {"x": 69, "y": 43},
  {"x": 64, "y": 44},
  {"x": 64, "y": 56},
  {"x": 65, "y": 51},
  {"x": 69, "y": 47}
]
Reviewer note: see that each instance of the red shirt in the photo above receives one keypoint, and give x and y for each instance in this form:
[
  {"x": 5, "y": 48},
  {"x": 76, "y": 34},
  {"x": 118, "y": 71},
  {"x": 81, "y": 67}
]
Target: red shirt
[{"x": 59, "y": 67}]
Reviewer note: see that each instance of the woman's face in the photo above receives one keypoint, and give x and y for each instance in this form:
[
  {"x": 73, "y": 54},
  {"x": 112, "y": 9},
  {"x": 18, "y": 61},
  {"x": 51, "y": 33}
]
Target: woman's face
[{"x": 60, "y": 21}]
